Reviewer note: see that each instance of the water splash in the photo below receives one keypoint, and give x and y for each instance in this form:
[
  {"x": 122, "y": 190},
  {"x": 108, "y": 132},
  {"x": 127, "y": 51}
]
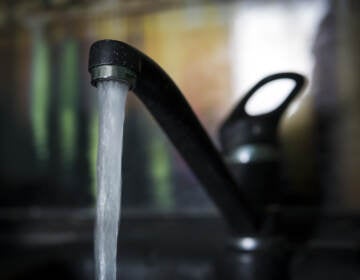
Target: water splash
[{"x": 112, "y": 99}]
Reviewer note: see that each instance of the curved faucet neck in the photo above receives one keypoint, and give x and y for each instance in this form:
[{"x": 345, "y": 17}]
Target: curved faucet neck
[{"x": 168, "y": 106}]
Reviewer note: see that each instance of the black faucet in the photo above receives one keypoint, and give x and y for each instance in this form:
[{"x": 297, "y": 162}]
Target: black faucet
[{"x": 250, "y": 255}]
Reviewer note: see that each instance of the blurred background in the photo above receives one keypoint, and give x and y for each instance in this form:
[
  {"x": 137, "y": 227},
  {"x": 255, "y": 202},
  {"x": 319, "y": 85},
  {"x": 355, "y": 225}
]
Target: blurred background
[{"x": 215, "y": 51}]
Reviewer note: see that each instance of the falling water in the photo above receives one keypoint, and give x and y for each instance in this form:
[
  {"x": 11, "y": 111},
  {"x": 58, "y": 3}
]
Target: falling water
[{"x": 112, "y": 99}]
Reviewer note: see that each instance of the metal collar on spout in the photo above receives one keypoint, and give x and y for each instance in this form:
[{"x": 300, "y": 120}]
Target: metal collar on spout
[
  {"x": 112, "y": 72},
  {"x": 168, "y": 106},
  {"x": 111, "y": 60}
]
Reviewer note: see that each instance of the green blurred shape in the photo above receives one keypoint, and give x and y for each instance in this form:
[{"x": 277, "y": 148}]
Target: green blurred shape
[
  {"x": 40, "y": 95},
  {"x": 69, "y": 82},
  {"x": 160, "y": 167}
]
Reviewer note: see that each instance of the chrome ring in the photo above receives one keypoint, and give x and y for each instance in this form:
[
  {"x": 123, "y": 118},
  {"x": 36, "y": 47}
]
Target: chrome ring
[{"x": 112, "y": 72}]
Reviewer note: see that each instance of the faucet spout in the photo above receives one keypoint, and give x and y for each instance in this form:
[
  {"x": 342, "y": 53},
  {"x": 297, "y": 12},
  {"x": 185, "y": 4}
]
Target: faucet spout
[{"x": 114, "y": 60}]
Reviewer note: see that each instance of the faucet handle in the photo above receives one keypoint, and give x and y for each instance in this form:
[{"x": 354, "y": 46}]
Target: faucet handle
[
  {"x": 298, "y": 82},
  {"x": 245, "y": 125},
  {"x": 250, "y": 143}
]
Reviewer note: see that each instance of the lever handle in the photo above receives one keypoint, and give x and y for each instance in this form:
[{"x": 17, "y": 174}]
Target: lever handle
[
  {"x": 240, "y": 111},
  {"x": 243, "y": 128},
  {"x": 250, "y": 144}
]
